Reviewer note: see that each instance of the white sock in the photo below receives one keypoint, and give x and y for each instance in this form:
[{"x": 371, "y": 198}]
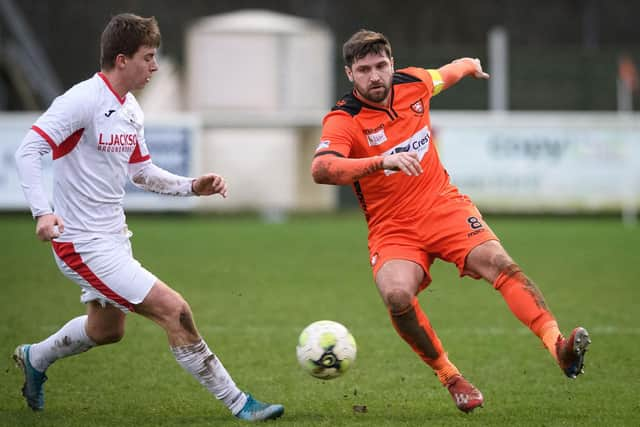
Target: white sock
[
  {"x": 200, "y": 362},
  {"x": 71, "y": 339}
]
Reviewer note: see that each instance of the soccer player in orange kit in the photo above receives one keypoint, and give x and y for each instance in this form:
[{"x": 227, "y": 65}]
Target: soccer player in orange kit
[{"x": 378, "y": 138}]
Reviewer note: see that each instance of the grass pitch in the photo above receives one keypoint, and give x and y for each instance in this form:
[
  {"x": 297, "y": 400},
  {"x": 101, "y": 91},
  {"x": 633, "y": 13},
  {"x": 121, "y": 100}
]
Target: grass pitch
[{"x": 254, "y": 286}]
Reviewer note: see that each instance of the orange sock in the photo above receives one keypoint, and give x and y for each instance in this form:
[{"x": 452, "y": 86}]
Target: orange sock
[
  {"x": 549, "y": 335},
  {"x": 528, "y": 305},
  {"x": 414, "y": 327},
  {"x": 444, "y": 369}
]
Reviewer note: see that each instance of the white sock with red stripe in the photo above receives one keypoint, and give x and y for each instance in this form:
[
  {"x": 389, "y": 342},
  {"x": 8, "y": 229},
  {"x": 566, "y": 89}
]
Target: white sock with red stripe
[
  {"x": 200, "y": 362},
  {"x": 71, "y": 339}
]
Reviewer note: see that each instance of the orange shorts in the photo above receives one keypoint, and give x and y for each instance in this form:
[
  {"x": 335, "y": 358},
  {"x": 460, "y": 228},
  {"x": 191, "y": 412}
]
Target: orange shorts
[{"x": 449, "y": 230}]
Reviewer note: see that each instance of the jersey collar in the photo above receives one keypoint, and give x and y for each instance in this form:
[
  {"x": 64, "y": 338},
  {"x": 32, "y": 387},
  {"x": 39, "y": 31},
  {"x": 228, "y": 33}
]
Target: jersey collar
[
  {"x": 391, "y": 112},
  {"x": 106, "y": 82}
]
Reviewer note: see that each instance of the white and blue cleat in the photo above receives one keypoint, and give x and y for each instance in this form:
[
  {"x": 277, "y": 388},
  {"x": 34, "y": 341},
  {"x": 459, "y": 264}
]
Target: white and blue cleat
[
  {"x": 254, "y": 410},
  {"x": 33, "y": 388}
]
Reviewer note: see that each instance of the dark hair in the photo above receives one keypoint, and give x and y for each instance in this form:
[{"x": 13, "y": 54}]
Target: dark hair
[
  {"x": 125, "y": 34},
  {"x": 363, "y": 43}
]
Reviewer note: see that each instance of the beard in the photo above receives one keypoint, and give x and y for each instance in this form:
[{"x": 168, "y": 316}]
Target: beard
[{"x": 376, "y": 94}]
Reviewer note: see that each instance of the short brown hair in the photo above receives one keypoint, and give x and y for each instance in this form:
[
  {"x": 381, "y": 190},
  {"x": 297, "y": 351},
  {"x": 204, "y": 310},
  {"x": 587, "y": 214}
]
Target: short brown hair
[
  {"x": 363, "y": 43},
  {"x": 125, "y": 34}
]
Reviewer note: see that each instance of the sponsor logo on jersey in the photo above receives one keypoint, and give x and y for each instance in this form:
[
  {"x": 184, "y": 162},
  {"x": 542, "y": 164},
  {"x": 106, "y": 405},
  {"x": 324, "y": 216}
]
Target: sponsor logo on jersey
[
  {"x": 117, "y": 142},
  {"x": 375, "y": 136},
  {"x": 374, "y": 259},
  {"x": 418, "y": 107},
  {"x": 323, "y": 144},
  {"x": 418, "y": 142},
  {"x": 109, "y": 113}
]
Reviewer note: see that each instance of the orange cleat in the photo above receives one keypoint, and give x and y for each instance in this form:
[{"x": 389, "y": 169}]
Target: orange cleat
[{"x": 465, "y": 395}]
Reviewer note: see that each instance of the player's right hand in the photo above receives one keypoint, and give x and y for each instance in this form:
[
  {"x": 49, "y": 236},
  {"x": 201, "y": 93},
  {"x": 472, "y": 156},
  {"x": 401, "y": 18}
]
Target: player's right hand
[
  {"x": 405, "y": 162},
  {"x": 49, "y": 227}
]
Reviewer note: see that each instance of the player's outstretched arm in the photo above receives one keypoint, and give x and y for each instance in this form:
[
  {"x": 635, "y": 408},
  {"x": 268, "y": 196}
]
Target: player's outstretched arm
[
  {"x": 459, "y": 68},
  {"x": 332, "y": 169},
  {"x": 150, "y": 177}
]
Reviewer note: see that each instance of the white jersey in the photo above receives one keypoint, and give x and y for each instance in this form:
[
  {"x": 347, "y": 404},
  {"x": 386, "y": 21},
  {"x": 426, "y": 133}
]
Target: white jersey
[{"x": 94, "y": 135}]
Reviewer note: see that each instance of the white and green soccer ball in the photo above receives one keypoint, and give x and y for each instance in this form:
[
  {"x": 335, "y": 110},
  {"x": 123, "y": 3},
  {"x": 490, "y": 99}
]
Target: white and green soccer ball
[{"x": 326, "y": 349}]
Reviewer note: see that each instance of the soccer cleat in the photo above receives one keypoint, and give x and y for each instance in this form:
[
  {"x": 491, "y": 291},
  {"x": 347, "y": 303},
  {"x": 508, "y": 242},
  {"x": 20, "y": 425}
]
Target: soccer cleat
[
  {"x": 465, "y": 395},
  {"x": 254, "y": 410},
  {"x": 32, "y": 390},
  {"x": 571, "y": 352}
]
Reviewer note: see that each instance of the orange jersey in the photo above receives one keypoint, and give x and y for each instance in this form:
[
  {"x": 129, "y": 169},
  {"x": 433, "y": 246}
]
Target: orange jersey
[{"x": 356, "y": 129}]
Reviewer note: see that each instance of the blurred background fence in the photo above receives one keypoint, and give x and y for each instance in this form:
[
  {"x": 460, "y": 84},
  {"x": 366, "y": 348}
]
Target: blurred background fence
[{"x": 242, "y": 91}]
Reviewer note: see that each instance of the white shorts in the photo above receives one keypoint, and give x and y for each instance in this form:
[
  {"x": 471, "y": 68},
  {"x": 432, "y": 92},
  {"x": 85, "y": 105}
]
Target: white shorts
[{"x": 105, "y": 269}]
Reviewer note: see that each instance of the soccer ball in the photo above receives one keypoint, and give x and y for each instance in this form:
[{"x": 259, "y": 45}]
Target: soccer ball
[{"x": 326, "y": 349}]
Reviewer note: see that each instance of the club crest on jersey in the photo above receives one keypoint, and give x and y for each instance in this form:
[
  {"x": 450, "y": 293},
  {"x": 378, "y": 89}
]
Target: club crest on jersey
[
  {"x": 130, "y": 114},
  {"x": 418, "y": 107},
  {"x": 375, "y": 136}
]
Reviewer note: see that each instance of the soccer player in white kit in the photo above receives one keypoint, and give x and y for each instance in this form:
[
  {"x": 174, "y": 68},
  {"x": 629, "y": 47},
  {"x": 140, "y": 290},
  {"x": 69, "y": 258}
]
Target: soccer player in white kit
[{"x": 95, "y": 132}]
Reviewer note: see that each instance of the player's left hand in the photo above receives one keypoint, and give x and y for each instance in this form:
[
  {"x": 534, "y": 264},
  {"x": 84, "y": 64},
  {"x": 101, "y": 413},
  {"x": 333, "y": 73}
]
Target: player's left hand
[
  {"x": 209, "y": 184},
  {"x": 478, "y": 73}
]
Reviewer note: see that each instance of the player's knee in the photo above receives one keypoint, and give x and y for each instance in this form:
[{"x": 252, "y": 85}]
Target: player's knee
[
  {"x": 488, "y": 261},
  {"x": 398, "y": 300},
  {"x": 501, "y": 261},
  {"x": 179, "y": 316},
  {"x": 508, "y": 269},
  {"x": 107, "y": 336},
  {"x": 186, "y": 320}
]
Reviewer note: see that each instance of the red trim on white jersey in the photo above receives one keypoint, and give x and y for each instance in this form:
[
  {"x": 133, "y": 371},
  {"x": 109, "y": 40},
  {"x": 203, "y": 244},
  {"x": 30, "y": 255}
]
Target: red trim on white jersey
[
  {"x": 108, "y": 83},
  {"x": 67, "y": 253},
  {"x": 65, "y": 147},
  {"x": 137, "y": 157},
  {"x": 45, "y": 136}
]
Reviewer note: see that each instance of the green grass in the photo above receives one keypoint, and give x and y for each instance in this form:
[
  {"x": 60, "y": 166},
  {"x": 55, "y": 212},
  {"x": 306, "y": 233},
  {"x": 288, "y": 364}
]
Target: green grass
[{"x": 254, "y": 286}]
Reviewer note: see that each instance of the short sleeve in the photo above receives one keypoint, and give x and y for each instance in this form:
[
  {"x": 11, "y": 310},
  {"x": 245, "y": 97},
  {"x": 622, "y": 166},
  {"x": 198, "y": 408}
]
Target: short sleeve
[
  {"x": 430, "y": 77},
  {"x": 68, "y": 114},
  {"x": 133, "y": 113},
  {"x": 338, "y": 134},
  {"x": 141, "y": 152}
]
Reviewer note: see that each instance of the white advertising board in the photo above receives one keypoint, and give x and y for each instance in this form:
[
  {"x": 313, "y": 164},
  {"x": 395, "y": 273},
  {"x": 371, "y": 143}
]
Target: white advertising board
[
  {"x": 543, "y": 162},
  {"x": 173, "y": 143}
]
